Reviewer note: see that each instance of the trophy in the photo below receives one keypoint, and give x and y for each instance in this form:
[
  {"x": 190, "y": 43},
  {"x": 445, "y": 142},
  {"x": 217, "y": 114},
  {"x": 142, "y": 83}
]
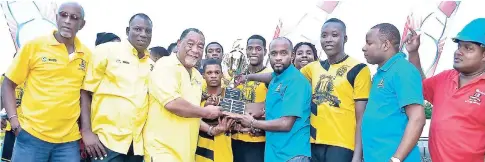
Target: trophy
[{"x": 236, "y": 63}]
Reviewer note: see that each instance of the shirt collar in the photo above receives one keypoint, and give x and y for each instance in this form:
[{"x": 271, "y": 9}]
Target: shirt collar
[
  {"x": 288, "y": 71},
  {"x": 134, "y": 51},
  {"x": 77, "y": 43},
  {"x": 391, "y": 61}
]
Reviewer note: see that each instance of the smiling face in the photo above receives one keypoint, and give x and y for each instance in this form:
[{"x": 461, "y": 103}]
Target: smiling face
[
  {"x": 469, "y": 57},
  {"x": 304, "y": 55},
  {"x": 190, "y": 49},
  {"x": 69, "y": 20},
  {"x": 332, "y": 38},
  {"x": 255, "y": 52},
  {"x": 140, "y": 33}
]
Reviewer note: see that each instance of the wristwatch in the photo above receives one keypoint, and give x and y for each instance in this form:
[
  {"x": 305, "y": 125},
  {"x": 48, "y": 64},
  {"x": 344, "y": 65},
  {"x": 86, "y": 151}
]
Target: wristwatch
[{"x": 394, "y": 159}]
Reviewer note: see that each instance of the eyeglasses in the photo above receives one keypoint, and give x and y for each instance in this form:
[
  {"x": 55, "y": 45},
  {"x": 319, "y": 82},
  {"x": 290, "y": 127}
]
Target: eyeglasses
[{"x": 66, "y": 15}]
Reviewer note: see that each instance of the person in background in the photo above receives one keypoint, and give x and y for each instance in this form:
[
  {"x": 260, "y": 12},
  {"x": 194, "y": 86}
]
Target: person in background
[
  {"x": 172, "y": 48},
  {"x": 112, "y": 119},
  {"x": 214, "y": 144},
  {"x": 248, "y": 147},
  {"x": 305, "y": 53},
  {"x": 214, "y": 50},
  {"x": 104, "y": 37},
  {"x": 394, "y": 117},
  {"x": 158, "y": 52},
  {"x": 9, "y": 139},
  {"x": 341, "y": 87},
  {"x": 175, "y": 89},
  {"x": 287, "y": 122},
  {"x": 458, "y": 119},
  {"x": 53, "y": 68}
]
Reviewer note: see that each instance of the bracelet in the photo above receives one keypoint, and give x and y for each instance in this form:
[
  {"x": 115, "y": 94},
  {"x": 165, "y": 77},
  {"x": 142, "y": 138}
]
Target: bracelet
[
  {"x": 251, "y": 124},
  {"x": 13, "y": 116},
  {"x": 210, "y": 130}
]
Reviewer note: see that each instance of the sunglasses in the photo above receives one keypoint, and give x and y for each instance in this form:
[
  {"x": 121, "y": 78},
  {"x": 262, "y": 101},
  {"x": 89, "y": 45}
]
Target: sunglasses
[{"x": 66, "y": 15}]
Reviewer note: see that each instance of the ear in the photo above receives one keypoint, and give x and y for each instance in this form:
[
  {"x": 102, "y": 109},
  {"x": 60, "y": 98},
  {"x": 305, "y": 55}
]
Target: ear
[
  {"x": 179, "y": 42},
  {"x": 127, "y": 31},
  {"x": 345, "y": 39},
  {"x": 386, "y": 45},
  {"x": 293, "y": 55}
]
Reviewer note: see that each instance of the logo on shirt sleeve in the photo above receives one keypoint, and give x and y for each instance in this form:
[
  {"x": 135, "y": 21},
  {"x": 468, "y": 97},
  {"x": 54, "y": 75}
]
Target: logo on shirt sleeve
[{"x": 475, "y": 98}]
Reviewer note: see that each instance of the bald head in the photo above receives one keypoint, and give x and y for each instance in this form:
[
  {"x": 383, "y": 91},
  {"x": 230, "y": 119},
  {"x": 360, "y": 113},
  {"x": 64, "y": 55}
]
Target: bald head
[
  {"x": 280, "y": 54},
  {"x": 72, "y": 5},
  {"x": 69, "y": 19},
  {"x": 280, "y": 41}
]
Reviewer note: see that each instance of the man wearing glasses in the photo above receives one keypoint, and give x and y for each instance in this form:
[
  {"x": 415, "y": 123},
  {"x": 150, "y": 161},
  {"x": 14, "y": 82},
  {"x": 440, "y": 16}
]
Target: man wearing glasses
[{"x": 53, "y": 68}]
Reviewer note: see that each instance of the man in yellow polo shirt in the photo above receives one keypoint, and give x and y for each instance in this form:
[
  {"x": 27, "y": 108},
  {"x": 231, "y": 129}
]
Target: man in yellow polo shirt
[
  {"x": 118, "y": 80},
  {"x": 53, "y": 68},
  {"x": 175, "y": 88}
]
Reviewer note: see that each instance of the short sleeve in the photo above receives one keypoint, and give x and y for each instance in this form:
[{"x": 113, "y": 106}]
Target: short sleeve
[
  {"x": 296, "y": 99},
  {"x": 167, "y": 88},
  {"x": 307, "y": 72},
  {"x": 429, "y": 85},
  {"x": 21, "y": 65},
  {"x": 408, "y": 86},
  {"x": 96, "y": 68},
  {"x": 361, "y": 82}
]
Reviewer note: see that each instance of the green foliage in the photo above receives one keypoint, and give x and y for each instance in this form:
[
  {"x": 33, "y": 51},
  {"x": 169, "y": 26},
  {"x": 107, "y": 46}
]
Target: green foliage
[{"x": 427, "y": 109}]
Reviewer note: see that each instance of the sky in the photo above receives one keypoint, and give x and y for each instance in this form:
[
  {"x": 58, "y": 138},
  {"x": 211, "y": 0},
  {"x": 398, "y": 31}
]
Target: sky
[{"x": 227, "y": 20}]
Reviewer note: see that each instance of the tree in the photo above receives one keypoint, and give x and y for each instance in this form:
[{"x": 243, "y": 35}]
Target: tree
[{"x": 427, "y": 109}]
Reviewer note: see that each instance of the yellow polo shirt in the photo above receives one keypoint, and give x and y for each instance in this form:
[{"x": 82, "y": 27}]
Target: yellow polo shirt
[
  {"x": 169, "y": 137},
  {"x": 119, "y": 82},
  {"x": 53, "y": 80}
]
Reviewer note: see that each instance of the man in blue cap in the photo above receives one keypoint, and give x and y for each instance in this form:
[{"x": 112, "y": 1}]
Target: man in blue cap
[{"x": 458, "y": 122}]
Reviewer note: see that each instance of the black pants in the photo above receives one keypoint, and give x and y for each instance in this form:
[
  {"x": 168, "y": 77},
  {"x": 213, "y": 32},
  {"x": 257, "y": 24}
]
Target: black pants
[
  {"x": 327, "y": 153},
  {"x": 247, "y": 151},
  {"x": 117, "y": 157},
  {"x": 8, "y": 142}
]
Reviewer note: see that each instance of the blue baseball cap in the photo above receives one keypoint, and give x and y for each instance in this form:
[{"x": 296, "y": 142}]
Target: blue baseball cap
[{"x": 473, "y": 32}]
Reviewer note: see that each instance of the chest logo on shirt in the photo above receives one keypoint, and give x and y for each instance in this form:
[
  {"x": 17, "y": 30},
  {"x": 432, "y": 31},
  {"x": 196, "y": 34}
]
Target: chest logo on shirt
[
  {"x": 151, "y": 67},
  {"x": 475, "y": 98},
  {"x": 280, "y": 89},
  {"x": 324, "y": 91},
  {"x": 82, "y": 65},
  {"x": 45, "y": 59},
  {"x": 121, "y": 61},
  {"x": 249, "y": 91},
  {"x": 381, "y": 84},
  {"x": 342, "y": 70}
]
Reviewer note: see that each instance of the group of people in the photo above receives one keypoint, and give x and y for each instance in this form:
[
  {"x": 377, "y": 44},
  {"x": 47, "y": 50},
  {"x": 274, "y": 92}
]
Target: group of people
[{"x": 124, "y": 106}]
